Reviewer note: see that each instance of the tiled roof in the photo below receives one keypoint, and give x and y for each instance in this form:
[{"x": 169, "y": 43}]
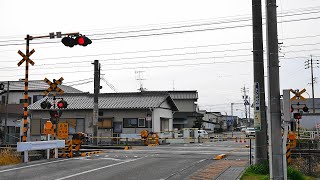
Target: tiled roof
[
  {"x": 183, "y": 94},
  {"x": 191, "y": 94},
  {"x": 112, "y": 101},
  {"x": 36, "y": 85}
]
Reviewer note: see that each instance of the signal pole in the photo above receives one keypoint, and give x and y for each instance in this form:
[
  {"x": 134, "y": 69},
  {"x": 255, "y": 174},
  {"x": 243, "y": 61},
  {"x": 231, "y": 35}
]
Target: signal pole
[
  {"x": 260, "y": 121},
  {"x": 275, "y": 140},
  {"x": 312, "y": 80}
]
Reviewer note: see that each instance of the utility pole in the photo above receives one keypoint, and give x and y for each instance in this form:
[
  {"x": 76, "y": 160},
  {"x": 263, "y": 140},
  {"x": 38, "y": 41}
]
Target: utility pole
[
  {"x": 140, "y": 79},
  {"x": 95, "y": 101},
  {"x": 7, "y": 115},
  {"x": 274, "y": 125},
  {"x": 232, "y": 120},
  {"x": 309, "y": 64},
  {"x": 246, "y": 102},
  {"x": 260, "y": 121}
]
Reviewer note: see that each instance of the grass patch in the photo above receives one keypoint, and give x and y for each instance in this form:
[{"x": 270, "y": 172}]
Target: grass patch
[
  {"x": 8, "y": 156},
  {"x": 261, "y": 172}
]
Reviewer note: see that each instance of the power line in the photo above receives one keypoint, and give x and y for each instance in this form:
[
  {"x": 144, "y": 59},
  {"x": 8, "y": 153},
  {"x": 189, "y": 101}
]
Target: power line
[
  {"x": 149, "y": 67},
  {"x": 170, "y": 33}
]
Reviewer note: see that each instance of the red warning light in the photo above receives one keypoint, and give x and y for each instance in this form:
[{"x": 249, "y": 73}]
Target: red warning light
[
  {"x": 62, "y": 104},
  {"x": 80, "y": 40}
]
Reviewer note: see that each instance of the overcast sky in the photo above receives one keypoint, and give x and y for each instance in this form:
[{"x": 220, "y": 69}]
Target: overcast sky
[{"x": 176, "y": 45}]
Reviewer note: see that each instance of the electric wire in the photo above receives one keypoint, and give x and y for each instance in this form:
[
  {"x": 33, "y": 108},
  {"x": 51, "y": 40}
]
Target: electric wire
[{"x": 174, "y": 32}]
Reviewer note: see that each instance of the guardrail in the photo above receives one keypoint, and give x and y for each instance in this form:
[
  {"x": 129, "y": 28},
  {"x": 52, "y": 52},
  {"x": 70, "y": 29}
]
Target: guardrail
[{"x": 40, "y": 145}]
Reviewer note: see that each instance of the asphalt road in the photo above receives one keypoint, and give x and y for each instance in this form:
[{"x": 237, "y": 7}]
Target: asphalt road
[{"x": 142, "y": 162}]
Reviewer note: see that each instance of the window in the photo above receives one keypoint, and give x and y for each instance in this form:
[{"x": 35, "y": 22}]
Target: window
[
  {"x": 117, "y": 127},
  {"x": 105, "y": 123},
  {"x": 3, "y": 99},
  {"x": 22, "y": 101},
  {"x": 130, "y": 122},
  {"x": 37, "y": 98},
  {"x": 141, "y": 122}
]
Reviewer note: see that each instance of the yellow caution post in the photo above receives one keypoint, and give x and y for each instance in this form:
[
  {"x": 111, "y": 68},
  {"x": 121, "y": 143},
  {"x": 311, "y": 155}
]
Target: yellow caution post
[{"x": 220, "y": 156}]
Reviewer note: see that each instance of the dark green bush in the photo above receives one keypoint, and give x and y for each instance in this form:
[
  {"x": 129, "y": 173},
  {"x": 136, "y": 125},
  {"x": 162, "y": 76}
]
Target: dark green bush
[
  {"x": 262, "y": 168},
  {"x": 294, "y": 174}
]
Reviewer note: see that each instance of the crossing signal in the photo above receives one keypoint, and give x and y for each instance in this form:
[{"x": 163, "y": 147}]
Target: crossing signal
[
  {"x": 305, "y": 109},
  {"x": 45, "y": 105},
  {"x": 71, "y": 41},
  {"x": 297, "y": 115},
  {"x": 83, "y": 40},
  {"x": 54, "y": 114},
  {"x": 62, "y": 104}
]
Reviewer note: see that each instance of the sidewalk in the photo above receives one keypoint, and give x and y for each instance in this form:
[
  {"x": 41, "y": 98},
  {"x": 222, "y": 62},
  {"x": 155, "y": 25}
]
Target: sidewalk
[
  {"x": 221, "y": 170},
  {"x": 233, "y": 172}
]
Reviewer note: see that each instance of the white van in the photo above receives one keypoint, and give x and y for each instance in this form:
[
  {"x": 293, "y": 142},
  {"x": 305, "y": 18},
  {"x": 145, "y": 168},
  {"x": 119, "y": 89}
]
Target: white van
[{"x": 203, "y": 133}]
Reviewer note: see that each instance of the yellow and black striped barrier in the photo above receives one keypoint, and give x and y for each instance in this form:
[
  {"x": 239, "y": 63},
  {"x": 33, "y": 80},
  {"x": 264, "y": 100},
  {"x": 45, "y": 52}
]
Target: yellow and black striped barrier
[
  {"x": 288, "y": 154},
  {"x": 90, "y": 153}
]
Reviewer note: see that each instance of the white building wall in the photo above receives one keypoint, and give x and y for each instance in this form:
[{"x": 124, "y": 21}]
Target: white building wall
[
  {"x": 14, "y": 97},
  {"x": 159, "y": 113}
]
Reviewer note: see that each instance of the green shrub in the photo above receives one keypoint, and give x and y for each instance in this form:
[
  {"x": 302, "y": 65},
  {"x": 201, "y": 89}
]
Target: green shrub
[
  {"x": 294, "y": 174},
  {"x": 262, "y": 168},
  {"x": 261, "y": 171}
]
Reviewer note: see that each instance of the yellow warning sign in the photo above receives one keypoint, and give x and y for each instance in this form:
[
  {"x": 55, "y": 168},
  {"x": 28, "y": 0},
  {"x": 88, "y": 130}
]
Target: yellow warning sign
[
  {"x": 48, "y": 131},
  {"x": 63, "y": 130}
]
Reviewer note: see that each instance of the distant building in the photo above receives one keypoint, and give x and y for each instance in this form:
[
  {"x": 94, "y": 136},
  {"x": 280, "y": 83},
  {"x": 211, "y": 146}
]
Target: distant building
[
  {"x": 15, "y": 98},
  {"x": 186, "y": 102},
  {"x": 211, "y": 120},
  {"x": 119, "y": 113}
]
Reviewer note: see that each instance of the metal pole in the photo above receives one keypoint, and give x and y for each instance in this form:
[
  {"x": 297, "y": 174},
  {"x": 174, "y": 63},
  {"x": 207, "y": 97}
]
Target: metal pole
[
  {"x": 6, "y": 119},
  {"x": 312, "y": 85},
  {"x": 95, "y": 102},
  {"x": 232, "y": 119},
  {"x": 249, "y": 110},
  {"x": 250, "y": 151},
  {"x": 261, "y": 150},
  {"x": 25, "y": 104},
  {"x": 275, "y": 141}
]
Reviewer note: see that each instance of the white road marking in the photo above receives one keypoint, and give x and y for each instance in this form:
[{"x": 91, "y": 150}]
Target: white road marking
[
  {"x": 77, "y": 174},
  {"x": 113, "y": 159},
  {"x": 33, "y": 165}
]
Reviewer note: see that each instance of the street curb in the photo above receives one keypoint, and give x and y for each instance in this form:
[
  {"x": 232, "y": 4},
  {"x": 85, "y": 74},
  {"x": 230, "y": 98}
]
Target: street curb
[
  {"x": 222, "y": 172},
  {"x": 241, "y": 174}
]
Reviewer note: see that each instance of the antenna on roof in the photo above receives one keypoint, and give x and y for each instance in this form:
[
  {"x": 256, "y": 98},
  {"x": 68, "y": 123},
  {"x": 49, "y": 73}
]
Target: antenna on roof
[
  {"x": 173, "y": 85},
  {"x": 140, "y": 79}
]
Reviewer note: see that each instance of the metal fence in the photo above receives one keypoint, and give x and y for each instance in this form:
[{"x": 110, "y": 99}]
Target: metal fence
[{"x": 306, "y": 157}]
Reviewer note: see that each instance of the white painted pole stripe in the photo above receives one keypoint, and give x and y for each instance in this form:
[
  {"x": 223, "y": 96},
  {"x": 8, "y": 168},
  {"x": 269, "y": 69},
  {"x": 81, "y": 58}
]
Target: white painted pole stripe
[
  {"x": 33, "y": 165},
  {"x": 77, "y": 174}
]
